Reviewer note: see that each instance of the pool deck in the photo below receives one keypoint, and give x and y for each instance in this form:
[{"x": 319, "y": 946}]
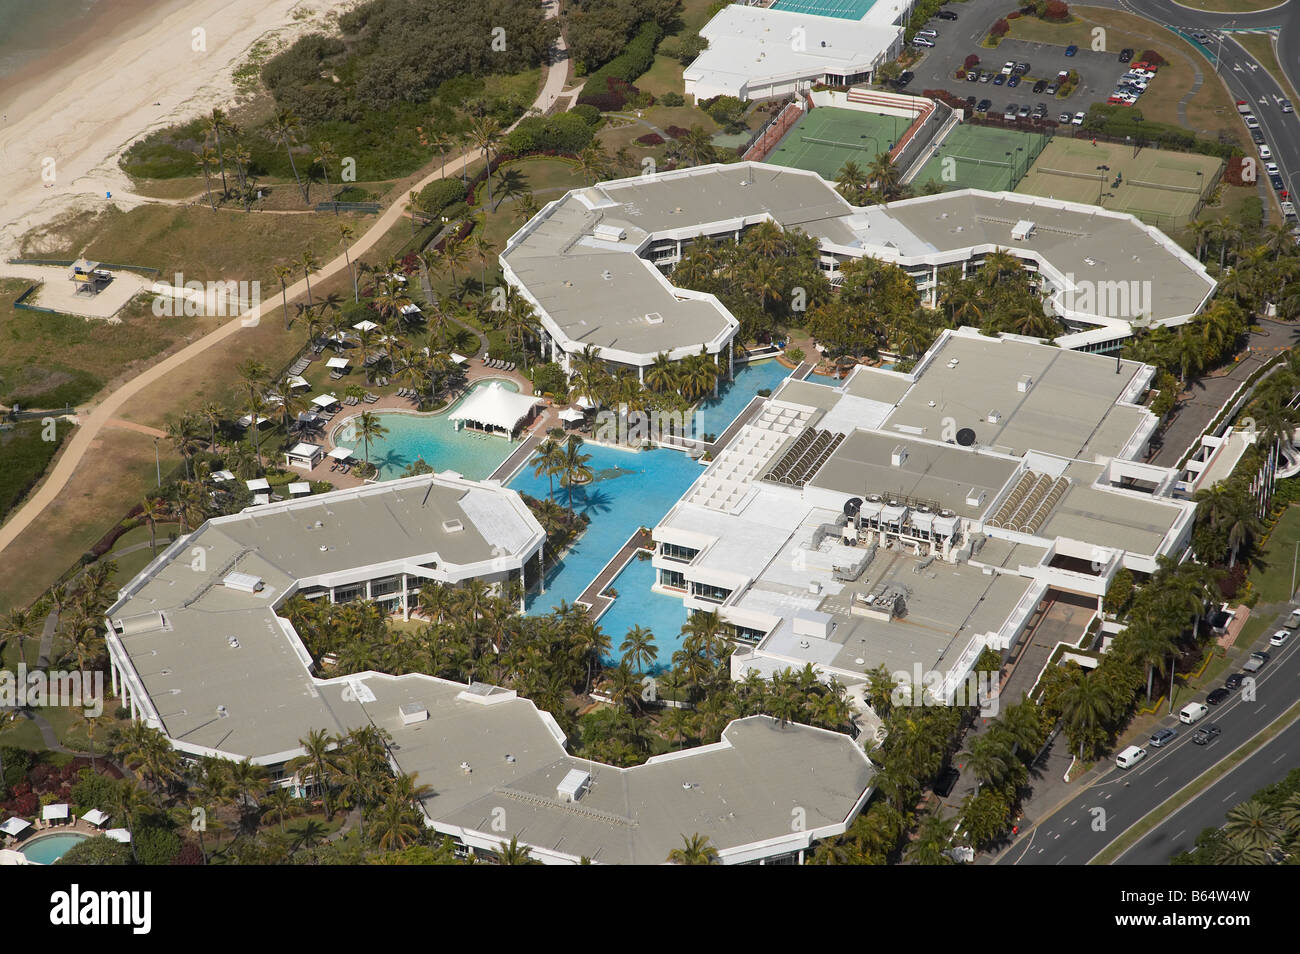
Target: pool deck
[
  {"x": 593, "y": 597},
  {"x": 475, "y": 371}
]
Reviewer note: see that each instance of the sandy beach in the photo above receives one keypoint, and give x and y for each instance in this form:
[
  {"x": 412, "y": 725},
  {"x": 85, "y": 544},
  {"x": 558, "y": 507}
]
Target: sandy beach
[{"x": 136, "y": 76}]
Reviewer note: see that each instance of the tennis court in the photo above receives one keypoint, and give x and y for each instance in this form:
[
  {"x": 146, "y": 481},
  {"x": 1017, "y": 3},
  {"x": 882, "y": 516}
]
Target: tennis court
[
  {"x": 827, "y": 137},
  {"x": 1160, "y": 187},
  {"x": 840, "y": 9},
  {"x": 981, "y": 157}
]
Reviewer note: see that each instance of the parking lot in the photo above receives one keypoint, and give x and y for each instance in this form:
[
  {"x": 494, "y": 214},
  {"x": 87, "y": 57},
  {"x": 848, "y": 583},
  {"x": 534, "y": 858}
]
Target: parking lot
[{"x": 1098, "y": 72}]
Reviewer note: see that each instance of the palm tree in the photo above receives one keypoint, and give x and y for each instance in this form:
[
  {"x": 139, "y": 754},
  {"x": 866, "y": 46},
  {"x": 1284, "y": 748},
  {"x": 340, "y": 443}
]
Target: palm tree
[
  {"x": 205, "y": 160},
  {"x": 515, "y": 854},
  {"x": 1085, "y": 704},
  {"x": 151, "y": 509},
  {"x": 278, "y": 802},
  {"x": 214, "y": 125},
  {"x": 593, "y": 163},
  {"x": 662, "y": 374},
  {"x": 316, "y": 761},
  {"x": 17, "y": 625},
  {"x": 852, "y": 182},
  {"x": 697, "y": 144},
  {"x": 284, "y": 125},
  {"x": 574, "y": 466},
  {"x": 695, "y": 850},
  {"x": 282, "y": 273},
  {"x": 323, "y": 155},
  {"x": 548, "y": 460},
  {"x": 1252, "y": 825},
  {"x": 485, "y": 133},
  {"x": 639, "y": 651},
  {"x": 520, "y": 323},
  {"x": 368, "y": 426},
  {"x": 932, "y": 840},
  {"x": 308, "y": 263}
]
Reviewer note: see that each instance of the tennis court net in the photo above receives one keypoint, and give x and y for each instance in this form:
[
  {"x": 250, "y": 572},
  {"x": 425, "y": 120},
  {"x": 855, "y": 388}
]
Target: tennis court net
[
  {"x": 1193, "y": 190},
  {"x": 1092, "y": 176}
]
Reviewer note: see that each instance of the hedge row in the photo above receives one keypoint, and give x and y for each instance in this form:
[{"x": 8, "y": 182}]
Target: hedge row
[{"x": 638, "y": 57}]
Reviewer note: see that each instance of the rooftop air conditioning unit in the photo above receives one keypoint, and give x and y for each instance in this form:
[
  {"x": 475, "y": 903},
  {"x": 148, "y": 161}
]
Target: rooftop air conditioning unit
[
  {"x": 994, "y": 416},
  {"x": 573, "y": 786},
  {"x": 654, "y": 318},
  {"x": 1023, "y": 229},
  {"x": 610, "y": 233},
  {"x": 413, "y": 712},
  {"x": 975, "y": 497},
  {"x": 452, "y": 526},
  {"x": 1025, "y": 382},
  {"x": 244, "y": 583},
  {"x": 898, "y": 456}
]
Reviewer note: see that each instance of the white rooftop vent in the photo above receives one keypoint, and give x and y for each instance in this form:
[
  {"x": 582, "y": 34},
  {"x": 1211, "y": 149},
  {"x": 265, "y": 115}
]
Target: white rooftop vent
[
  {"x": 573, "y": 786},
  {"x": 994, "y": 416},
  {"x": 453, "y": 526},
  {"x": 233, "y": 641},
  {"x": 464, "y": 767},
  {"x": 610, "y": 233},
  {"x": 607, "y": 274},
  {"x": 244, "y": 582},
  {"x": 974, "y": 498},
  {"x": 898, "y": 456},
  {"x": 413, "y": 712},
  {"x": 1025, "y": 382},
  {"x": 654, "y": 318},
  {"x": 1024, "y": 228}
]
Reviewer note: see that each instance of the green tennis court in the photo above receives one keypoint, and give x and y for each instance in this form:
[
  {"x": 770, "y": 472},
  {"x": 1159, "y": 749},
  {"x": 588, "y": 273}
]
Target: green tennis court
[
  {"x": 828, "y": 137},
  {"x": 1159, "y": 186},
  {"x": 981, "y": 157}
]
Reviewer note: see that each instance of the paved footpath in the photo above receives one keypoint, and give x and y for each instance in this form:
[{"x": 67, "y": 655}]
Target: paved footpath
[{"x": 92, "y": 420}]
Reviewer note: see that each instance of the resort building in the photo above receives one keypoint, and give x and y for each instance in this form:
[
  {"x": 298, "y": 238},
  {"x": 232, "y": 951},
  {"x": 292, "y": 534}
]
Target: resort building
[
  {"x": 912, "y": 520},
  {"x": 758, "y": 52},
  {"x": 199, "y": 651},
  {"x": 596, "y": 264}
]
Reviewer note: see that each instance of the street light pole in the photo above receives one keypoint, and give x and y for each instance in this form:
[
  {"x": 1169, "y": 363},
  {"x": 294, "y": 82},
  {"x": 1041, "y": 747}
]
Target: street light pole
[
  {"x": 157, "y": 461},
  {"x": 1294, "y": 559}
]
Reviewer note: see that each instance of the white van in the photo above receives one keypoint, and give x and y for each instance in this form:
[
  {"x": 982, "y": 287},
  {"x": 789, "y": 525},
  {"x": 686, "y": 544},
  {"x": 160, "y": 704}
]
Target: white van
[
  {"x": 1130, "y": 756},
  {"x": 1292, "y": 621},
  {"x": 1192, "y": 712}
]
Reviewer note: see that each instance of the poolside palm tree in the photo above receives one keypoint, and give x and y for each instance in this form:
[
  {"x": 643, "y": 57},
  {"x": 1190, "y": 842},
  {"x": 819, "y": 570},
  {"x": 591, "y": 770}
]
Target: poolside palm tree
[
  {"x": 368, "y": 426},
  {"x": 308, "y": 263},
  {"x": 695, "y": 850},
  {"x": 698, "y": 376},
  {"x": 662, "y": 373},
  {"x": 521, "y": 324},
  {"x": 639, "y": 651},
  {"x": 285, "y": 126},
  {"x": 574, "y": 466},
  {"x": 548, "y": 460}
]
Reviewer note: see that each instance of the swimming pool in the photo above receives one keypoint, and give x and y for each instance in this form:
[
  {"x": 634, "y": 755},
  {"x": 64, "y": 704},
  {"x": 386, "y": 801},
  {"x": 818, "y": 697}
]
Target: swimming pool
[
  {"x": 637, "y": 605},
  {"x": 839, "y": 9},
  {"x": 435, "y": 438},
  {"x": 632, "y": 489},
  {"x": 713, "y": 415},
  {"x": 47, "y": 849}
]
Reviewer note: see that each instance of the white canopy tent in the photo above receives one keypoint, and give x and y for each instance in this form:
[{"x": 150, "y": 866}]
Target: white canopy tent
[
  {"x": 494, "y": 408},
  {"x": 571, "y": 415},
  {"x": 341, "y": 453},
  {"x": 221, "y": 476},
  {"x": 366, "y": 325},
  {"x": 258, "y": 483},
  {"x": 247, "y": 419},
  {"x": 458, "y": 358},
  {"x": 119, "y": 834},
  {"x": 339, "y": 363},
  {"x": 296, "y": 381},
  {"x": 299, "y": 487},
  {"x": 15, "y": 826},
  {"x": 324, "y": 400},
  {"x": 56, "y": 812},
  {"x": 410, "y": 309}
]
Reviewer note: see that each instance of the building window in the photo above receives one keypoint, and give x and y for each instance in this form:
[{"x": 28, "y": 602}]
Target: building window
[
  {"x": 349, "y": 593},
  {"x": 714, "y": 594},
  {"x": 385, "y": 586},
  {"x": 672, "y": 578},
  {"x": 672, "y": 551}
]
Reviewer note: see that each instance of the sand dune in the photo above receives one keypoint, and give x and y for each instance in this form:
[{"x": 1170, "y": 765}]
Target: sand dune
[{"x": 144, "y": 76}]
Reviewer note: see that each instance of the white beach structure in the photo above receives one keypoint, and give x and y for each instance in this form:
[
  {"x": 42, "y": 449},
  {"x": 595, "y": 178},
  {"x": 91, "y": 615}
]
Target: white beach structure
[{"x": 495, "y": 409}]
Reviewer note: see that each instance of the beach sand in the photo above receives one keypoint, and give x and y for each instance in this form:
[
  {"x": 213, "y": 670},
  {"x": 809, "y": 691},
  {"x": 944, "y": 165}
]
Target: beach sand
[{"x": 133, "y": 75}]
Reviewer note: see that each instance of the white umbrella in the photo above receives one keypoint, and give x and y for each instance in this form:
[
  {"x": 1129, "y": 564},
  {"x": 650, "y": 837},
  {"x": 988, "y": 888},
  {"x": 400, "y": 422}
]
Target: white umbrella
[
  {"x": 119, "y": 834},
  {"x": 95, "y": 817},
  {"x": 55, "y": 812},
  {"x": 366, "y": 325},
  {"x": 572, "y": 415},
  {"x": 341, "y": 453},
  {"x": 324, "y": 400},
  {"x": 15, "y": 825},
  {"x": 258, "y": 483},
  {"x": 337, "y": 363}
]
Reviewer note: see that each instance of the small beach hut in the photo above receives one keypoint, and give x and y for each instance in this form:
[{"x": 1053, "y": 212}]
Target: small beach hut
[{"x": 304, "y": 455}]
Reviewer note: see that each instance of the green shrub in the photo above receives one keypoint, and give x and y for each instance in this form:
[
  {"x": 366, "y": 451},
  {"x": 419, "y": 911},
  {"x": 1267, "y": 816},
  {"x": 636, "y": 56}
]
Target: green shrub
[
  {"x": 97, "y": 851},
  {"x": 550, "y": 378},
  {"x": 92, "y": 790},
  {"x": 673, "y": 99},
  {"x": 637, "y": 57},
  {"x": 436, "y": 196},
  {"x": 588, "y": 113}
]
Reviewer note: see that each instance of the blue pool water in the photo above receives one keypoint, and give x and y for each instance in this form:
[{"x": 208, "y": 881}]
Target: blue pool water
[
  {"x": 715, "y": 414},
  {"x": 638, "y": 606},
  {"x": 435, "y": 438},
  {"x": 47, "y": 849},
  {"x": 632, "y": 489},
  {"x": 840, "y": 9}
]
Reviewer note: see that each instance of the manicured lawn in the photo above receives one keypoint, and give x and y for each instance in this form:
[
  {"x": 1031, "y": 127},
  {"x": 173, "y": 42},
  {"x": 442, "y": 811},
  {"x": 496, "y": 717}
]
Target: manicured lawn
[{"x": 1271, "y": 574}]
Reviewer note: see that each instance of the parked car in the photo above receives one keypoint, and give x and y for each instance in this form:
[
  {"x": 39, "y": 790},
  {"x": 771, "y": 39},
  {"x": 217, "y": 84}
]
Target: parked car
[
  {"x": 1206, "y": 734},
  {"x": 1130, "y": 756},
  {"x": 1281, "y": 636},
  {"x": 972, "y": 76},
  {"x": 1013, "y": 81},
  {"x": 922, "y": 41},
  {"x": 904, "y": 78},
  {"x": 1064, "y": 119},
  {"x": 970, "y": 102},
  {"x": 946, "y": 15},
  {"x": 1024, "y": 111},
  {"x": 1243, "y": 106},
  {"x": 984, "y": 106},
  {"x": 1265, "y": 153},
  {"x": 1192, "y": 713},
  {"x": 1234, "y": 681},
  {"x": 1040, "y": 86},
  {"x": 999, "y": 79},
  {"x": 1257, "y": 137},
  {"x": 1071, "y": 50},
  {"x": 1040, "y": 111},
  {"x": 1079, "y": 117},
  {"x": 1008, "y": 67},
  {"x": 1163, "y": 737},
  {"x": 928, "y": 34},
  {"x": 1286, "y": 106},
  {"x": 1010, "y": 112},
  {"x": 1217, "y": 696},
  {"x": 1020, "y": 69},
  {"x": 1052, "y": 88},
  {"x": 985, "y": 76},
  {"x": 1277, "y": 183},
  {"x": 1126, "y": 54},
  {"x": 1252, "y": 122}
]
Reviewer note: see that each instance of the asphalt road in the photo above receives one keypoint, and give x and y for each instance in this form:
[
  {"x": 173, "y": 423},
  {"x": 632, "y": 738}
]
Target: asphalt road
[{"x": 1099, "y": 814}]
